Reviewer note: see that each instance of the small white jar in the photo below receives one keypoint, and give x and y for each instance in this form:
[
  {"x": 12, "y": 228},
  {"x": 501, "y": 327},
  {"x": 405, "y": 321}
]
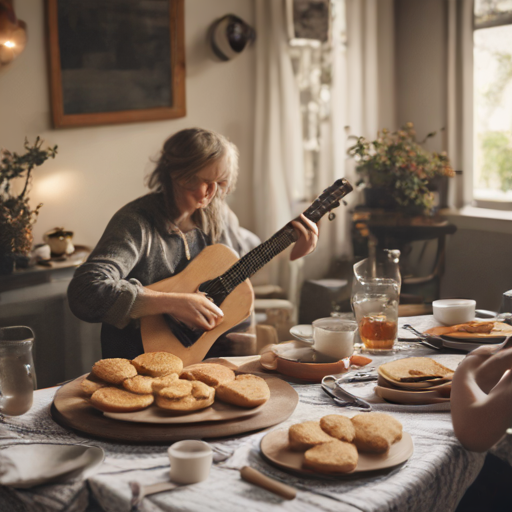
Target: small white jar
[
  {"x": 190, "y": 461},
  {"x": 454, "y": 311}
]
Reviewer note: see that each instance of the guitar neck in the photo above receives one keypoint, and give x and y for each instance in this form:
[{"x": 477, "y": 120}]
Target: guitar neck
[
  {"x": 261, "y": 255},
  {"x": 258, "y": 257}
]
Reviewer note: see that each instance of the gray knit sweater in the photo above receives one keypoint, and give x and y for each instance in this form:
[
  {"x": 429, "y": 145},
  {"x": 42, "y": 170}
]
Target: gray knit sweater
[{"x": 138, "y": 248}]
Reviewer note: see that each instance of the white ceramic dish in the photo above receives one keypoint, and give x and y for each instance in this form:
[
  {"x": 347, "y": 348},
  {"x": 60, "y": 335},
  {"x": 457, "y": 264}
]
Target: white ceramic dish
[
  {"x": 454, "y": 311},
  {"x": 30, "y": 464}
]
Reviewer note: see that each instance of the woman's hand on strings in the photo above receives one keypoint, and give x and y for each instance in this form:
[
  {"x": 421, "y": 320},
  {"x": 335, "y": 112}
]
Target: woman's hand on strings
[
  {"x": 195, "y": 311},
  {"x": 308, "y": 237}
]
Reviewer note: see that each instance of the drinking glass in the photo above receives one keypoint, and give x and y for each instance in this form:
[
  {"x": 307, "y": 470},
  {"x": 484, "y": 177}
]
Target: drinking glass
[
  {"x": 17, "y": 373},
  {"x": 375, "y": 297}
]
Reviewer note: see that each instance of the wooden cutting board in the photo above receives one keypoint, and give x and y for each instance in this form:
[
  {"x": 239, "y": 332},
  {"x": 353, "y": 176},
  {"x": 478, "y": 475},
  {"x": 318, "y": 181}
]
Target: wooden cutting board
[{"x": 71, "y": 409}]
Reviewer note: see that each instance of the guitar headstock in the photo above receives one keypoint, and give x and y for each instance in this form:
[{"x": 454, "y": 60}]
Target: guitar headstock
[{"x": 328, "y": 199}]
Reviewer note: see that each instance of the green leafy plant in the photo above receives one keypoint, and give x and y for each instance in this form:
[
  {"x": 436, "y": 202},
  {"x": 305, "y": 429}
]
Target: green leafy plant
[
  {"x": 396, "y": 163},
  {"x": 16, "y": 215}
]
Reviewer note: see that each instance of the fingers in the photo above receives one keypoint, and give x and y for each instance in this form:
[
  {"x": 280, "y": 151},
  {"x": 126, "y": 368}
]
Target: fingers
[
  {"x": 492, "y": 370},
  {"x": 310, "y": 224}
]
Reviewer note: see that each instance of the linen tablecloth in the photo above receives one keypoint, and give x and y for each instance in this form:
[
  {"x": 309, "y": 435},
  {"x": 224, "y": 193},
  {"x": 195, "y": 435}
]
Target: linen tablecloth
[{"x": 434, "y": 478}]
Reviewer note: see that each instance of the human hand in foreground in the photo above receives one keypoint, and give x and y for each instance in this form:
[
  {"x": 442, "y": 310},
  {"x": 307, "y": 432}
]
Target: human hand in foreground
[
  {"x": 481, "y": 398},
  {"x": 308, "y": 237}
]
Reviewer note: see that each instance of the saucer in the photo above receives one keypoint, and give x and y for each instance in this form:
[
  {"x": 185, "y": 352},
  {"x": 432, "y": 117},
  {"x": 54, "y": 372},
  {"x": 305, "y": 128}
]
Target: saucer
[{"x": 303, "y": 332}]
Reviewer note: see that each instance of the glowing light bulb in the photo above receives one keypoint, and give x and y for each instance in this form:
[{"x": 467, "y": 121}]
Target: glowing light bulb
[{"x": 9, "y": 44}]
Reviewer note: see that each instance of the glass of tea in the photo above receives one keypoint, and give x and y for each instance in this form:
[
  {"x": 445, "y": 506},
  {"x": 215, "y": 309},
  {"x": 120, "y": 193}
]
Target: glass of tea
[
  {"x": 17, "y": 373},
  {"x": 375, "y": 297}
]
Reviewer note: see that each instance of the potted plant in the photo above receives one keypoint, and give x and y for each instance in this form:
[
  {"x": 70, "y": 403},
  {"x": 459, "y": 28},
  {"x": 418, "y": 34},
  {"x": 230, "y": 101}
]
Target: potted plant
[
  {"x": 398, "y": 172},
  {"x": 16, "y": 215}
]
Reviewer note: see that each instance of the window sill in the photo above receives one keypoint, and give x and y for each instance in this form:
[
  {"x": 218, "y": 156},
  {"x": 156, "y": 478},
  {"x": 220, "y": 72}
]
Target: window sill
[{"x": 482, "y": 219}]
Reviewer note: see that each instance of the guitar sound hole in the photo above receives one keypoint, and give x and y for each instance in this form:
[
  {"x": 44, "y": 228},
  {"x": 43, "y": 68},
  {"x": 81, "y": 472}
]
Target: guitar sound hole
[{"x": 186, "y": 336}]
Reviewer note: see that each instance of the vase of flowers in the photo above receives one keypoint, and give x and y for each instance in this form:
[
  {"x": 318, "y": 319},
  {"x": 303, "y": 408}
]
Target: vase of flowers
[
  {"x": 397, "y": 171},
  {"x": 16, "y": 215}
]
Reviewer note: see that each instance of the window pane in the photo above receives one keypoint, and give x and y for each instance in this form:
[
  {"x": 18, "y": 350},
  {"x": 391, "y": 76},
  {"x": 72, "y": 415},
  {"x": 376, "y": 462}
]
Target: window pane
[
  {"x": 487, "y": 11},
  {"x": 493, "y": 113}
]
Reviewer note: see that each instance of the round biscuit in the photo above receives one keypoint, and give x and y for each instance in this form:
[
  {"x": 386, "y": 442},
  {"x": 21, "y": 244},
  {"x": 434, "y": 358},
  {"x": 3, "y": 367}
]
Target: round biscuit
[
  {"x": 140, "y": 384},
  {"x": 114, "y": 370},
  {"x": 211, "y": 374},
  {"x": 119, "y": 400},
  {"x": 165, "y": 381},
  {"x": 177, "y": 390},
  {"x": 158, "y": 364},
  {"x": 338, "y": 426}
]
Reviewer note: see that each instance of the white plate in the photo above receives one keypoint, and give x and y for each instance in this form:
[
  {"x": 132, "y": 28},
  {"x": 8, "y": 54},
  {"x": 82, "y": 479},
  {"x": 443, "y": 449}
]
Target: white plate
[
  {"x": 404, "y": 397},
  {"x": 303, "y": 332},
  {"x": 28, "y": 464}
]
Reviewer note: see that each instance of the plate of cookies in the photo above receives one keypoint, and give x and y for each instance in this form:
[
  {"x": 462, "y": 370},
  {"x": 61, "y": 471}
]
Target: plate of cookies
[
  {"x": 337, "y": 445},
  {"x": 155, "y": 388}
]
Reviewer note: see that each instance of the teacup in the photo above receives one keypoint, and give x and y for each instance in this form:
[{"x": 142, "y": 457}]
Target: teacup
[
  {"x": 190, "y": 461},
  {"x": 454, "y": 311},
  {"x": 334, "y": 337}
]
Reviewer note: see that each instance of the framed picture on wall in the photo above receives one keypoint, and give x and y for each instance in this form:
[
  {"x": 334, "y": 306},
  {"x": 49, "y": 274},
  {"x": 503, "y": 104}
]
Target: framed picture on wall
[
  {"x": 116, "y": 61},
  {"x": 308, "y": 20}
]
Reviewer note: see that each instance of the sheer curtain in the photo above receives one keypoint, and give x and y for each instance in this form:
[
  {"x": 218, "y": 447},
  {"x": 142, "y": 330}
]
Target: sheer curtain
[
  {"x": 361, "y": 100},
  {"x": 278, "y": 159},
  {"x": 459, "y": 126}
]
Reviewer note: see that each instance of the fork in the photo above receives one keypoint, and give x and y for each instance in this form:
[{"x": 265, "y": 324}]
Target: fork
[{"x": 424, "y": 337}]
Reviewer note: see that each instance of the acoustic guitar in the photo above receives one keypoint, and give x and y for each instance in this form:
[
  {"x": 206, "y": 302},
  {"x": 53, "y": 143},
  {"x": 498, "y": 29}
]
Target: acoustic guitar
[{"x": 224, "y": 278}]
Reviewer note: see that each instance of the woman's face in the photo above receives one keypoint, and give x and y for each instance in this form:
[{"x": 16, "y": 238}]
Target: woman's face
[{"x": 198, "y": 192}]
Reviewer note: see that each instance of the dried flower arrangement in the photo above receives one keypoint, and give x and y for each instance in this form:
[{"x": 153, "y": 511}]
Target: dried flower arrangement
[
  {"x": 397, "y": 165},
  {"x": 16, "y": 215}
]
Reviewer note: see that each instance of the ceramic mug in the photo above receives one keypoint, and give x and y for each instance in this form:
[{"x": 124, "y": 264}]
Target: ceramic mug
[
  {"x": 59, "y": 241},
  {"x": 190, "y": 461},
  {"x": 334, "y": 337}
]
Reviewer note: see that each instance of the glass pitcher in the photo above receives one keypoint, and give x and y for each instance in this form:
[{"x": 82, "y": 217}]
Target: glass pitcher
[
  {"x": 375, "y": 297},
  {"x": 17, "y": 373}
]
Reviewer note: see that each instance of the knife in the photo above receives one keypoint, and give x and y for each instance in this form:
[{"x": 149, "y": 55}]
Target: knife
[{"x": 342, "y": 397}]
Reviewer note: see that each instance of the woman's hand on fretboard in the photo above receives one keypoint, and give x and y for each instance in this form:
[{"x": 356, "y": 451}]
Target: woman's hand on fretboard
[{"x": 308, "y": 237}]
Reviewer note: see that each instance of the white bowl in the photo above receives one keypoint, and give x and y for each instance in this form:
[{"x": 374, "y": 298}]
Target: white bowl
[{"x": 454, "y": 311}]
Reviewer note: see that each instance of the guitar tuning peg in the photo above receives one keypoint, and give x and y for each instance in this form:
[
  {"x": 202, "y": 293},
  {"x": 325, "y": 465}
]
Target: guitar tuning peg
[{"x": 332, "y": 216}]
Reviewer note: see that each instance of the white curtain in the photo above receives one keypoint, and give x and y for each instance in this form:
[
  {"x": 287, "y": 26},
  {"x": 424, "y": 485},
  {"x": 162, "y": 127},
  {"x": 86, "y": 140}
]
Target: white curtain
[
  {"x": 459, "y": 126},
  {"x": 361, "y": 85},
  {"x": 278, "y": 158}
]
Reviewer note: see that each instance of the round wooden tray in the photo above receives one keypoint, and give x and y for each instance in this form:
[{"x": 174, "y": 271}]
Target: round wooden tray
[{"x": 71, "y": 409}]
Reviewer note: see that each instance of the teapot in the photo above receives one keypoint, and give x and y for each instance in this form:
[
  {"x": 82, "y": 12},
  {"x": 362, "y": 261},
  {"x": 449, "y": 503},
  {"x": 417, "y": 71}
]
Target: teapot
[{"x": 59, "y": 241}]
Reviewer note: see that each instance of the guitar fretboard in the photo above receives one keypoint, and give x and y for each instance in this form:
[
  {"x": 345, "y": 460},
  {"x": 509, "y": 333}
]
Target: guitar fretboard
[{"x": 258, "y": 257}]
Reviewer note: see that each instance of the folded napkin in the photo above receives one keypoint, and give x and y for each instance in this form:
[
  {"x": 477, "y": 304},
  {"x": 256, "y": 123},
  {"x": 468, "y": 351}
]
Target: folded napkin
[{"x": 28, "y": 464}]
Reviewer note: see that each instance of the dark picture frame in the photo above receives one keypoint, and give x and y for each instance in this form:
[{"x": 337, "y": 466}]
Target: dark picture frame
[{"x": 115, "y": 61}]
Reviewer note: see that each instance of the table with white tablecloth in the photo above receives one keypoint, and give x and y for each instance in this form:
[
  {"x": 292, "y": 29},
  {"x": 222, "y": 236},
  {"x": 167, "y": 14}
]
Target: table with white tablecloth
[{"x": 434, "y": 478}]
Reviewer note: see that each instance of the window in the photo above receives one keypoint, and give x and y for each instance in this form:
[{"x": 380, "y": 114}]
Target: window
[{"x": 492, "y": 103}]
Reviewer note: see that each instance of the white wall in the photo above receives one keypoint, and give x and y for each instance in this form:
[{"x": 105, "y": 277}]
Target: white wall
[{"x": 99, "y": 169}]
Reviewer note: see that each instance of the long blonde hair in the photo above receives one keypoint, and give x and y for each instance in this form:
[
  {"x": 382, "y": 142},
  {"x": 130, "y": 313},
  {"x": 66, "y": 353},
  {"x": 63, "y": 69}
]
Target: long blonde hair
[{"x": 183, "y": 156}]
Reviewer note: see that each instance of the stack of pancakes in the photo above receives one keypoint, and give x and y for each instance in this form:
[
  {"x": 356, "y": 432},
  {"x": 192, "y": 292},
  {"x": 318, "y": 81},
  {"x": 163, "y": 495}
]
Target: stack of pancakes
[
  {"x": 332, "y": 445},
  {"x": 415, "y": 374},
  {"x": 121, "y": 385}
]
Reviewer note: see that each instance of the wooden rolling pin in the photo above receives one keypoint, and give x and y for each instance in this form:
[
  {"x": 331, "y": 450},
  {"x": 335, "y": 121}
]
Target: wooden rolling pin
[{"x": 255, "y": 477}]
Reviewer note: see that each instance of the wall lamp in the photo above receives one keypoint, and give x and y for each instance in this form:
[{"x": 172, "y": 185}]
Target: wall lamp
[{"x": 13, "y": 34}]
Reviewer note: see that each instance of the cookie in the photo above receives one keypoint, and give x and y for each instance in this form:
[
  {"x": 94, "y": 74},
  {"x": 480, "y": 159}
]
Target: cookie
[
  {"x": 210, "y": 373},
  {"x": 245, "y": 391},
  {"x": 176, "y": 390},
  {"x": 91, "y": 384},
  {"x": 119, "y": 400},
  {"x": 332, "y": 457},
  {"x": 338, "y": 426},
  {"x": 376, "y": 432},
  {"x": 164, "y": 382},
  {"x": 303, "y": 436},
  {"x": 114, "y": 371},
  {"x": 158, "y": 364},
  {"x": 140, "y": 384},
  {"x": 200, "y": 397}
]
